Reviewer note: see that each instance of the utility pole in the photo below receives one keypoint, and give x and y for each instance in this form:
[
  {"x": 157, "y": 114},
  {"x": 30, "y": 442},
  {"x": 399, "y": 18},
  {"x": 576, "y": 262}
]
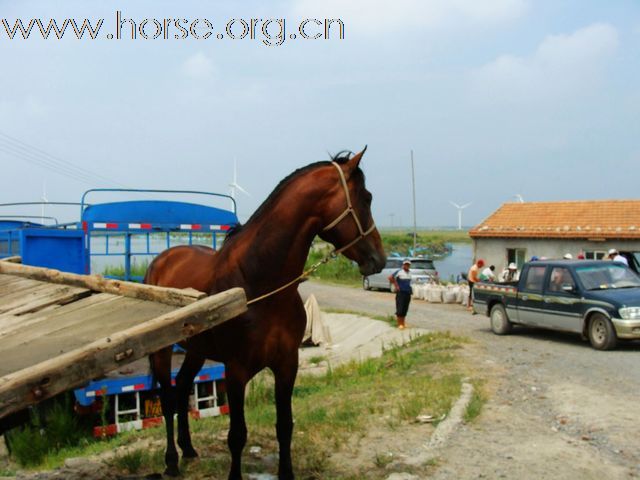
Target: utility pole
[{"x": 413, "y": 183}]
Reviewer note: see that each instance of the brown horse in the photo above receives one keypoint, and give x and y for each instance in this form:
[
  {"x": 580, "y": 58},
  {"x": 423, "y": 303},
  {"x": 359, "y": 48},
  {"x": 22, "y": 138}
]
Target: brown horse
[{"x": 328, "y": 199}]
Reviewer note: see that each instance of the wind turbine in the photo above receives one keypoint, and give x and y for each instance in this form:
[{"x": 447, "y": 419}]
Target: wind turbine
[
  {"x": 519, "y": 197},
  {"x": 45, "y": 200},
  {"x": 460, "y": 208},
  {"x": 234, "y": 185}
]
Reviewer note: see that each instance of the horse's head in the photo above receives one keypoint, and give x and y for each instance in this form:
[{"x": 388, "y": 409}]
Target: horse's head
[{"x": 349, "y": 225}]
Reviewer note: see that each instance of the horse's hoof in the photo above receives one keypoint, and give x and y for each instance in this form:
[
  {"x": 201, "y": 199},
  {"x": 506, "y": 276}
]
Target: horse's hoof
[
  {"x": 172, "y": 471},
  {"x": 189, "y": 454}
]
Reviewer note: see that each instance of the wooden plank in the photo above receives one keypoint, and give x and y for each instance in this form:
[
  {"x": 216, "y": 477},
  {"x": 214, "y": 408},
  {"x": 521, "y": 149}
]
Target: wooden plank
[
  {"x": 36, "y": 383},
  {"x": 47, "y": 339},
  {"x": 27, "y": 295},
  {"x": 170, "y": 296},
  {"x": 16, "y": 284},
  {"x": 60, "y": 295},
  {"x": 13, "y": 259},
  {"x": 9, "y": 322}
]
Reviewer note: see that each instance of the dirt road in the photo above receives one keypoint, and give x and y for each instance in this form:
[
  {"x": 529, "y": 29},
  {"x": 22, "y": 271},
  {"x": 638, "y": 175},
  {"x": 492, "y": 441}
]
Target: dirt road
[{"x": 557, "y": 408}]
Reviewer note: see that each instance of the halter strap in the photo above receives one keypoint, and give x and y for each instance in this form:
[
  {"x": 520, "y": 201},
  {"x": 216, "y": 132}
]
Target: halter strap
[{"x": 348, "y": 211}]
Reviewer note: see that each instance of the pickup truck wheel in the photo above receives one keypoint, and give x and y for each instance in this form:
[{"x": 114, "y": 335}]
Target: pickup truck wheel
[
  {"x": 365, "y": 284},
  {"x": 601, "y": 333},
  {"x": 500, "y": 324}
]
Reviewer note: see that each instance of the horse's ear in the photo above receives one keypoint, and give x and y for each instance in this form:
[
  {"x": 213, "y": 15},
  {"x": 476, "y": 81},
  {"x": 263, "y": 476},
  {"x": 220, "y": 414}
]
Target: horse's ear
[{"x": 354, "y": 161}]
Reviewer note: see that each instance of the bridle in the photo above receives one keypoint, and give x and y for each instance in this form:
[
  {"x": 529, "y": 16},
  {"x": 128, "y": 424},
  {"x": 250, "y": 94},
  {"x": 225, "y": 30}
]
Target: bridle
[
  {"x": 348, "y": 211},
  {"x": 336, "y": 251}
]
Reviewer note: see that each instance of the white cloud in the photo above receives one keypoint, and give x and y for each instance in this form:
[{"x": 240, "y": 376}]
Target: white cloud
[
  {"x": 376, "y": 16},
  {"x": 198, "y": 66},
  {"x": 568, "y": 64}
]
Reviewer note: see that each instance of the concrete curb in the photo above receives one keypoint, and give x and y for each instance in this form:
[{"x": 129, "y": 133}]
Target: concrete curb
[{"x": 445, "y": 428}]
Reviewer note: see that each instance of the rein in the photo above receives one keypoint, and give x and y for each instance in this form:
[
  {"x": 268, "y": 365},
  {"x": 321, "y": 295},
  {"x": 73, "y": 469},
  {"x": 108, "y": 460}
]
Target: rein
[{"x": 336, "y": 251}]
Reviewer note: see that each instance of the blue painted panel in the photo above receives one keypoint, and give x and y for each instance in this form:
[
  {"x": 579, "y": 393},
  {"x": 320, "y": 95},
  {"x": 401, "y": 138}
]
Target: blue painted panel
[
  {"x": 157, "y": 212},
  {"x": 15, "y": 224},
  {"x": 113, "y": 386},
  {"x": 51, "y": 248}
]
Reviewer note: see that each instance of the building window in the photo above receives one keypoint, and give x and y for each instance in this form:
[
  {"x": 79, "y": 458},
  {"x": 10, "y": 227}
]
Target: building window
[
  {"x": 595, "y": 255},
  {"x": 517, "y": 256}
]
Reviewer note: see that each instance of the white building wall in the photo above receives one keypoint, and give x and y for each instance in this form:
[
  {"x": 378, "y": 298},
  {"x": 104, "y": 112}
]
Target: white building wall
[{"x": 494, "y": 250}]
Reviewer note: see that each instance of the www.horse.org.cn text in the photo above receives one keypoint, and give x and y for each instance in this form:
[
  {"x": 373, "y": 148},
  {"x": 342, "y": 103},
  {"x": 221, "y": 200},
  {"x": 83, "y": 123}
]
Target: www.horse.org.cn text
[{"x": 268, "y": 31}]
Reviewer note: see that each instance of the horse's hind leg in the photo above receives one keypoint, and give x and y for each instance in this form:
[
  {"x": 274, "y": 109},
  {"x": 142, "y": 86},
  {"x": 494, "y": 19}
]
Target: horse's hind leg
[
  {"x": 161, "y": 364},
  {"x": 236, "y": 381},
  {"x": 190, "y": 367},
  {"x": 285, "y": 377}
]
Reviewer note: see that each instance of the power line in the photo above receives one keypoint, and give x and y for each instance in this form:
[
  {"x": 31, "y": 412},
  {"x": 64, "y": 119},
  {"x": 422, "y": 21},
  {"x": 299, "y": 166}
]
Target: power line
[
  {"x": 35, "y": 155},
  {"x": 28, "y": 157}
]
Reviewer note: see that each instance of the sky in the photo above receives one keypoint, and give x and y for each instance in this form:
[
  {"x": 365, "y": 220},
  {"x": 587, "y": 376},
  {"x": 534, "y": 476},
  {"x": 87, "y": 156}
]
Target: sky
[{"x": 495, "y": 98}]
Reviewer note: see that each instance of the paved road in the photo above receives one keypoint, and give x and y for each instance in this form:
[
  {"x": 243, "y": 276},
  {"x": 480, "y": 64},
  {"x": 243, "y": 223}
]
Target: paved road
[{"x": 557, "y": 408}]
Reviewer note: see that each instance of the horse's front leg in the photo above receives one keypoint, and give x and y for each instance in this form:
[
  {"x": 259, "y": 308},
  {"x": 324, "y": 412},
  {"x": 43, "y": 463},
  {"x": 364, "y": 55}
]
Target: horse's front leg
[
  {"x": 184, "y": 381},
  {"x": 236, "y": 382},
  {"x": 285, "y": 377}
]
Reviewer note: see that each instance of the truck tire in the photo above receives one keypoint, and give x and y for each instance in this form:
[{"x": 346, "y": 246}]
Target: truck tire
[
  {"x": 602, "y": 336},
  {"x": 365, "y": 284},
  {"x": 500, "y": 324}
]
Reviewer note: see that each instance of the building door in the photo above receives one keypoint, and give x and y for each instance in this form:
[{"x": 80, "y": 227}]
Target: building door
[{"x": 517, "y": 256}]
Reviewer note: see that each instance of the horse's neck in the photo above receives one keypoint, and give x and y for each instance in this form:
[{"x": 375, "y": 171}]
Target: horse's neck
[{"x": 272, "y": 249}]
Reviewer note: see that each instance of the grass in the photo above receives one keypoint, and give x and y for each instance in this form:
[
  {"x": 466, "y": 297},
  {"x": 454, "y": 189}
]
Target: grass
[
  {"x": 478, "y": 399},
  {"x": 134, "y": 461},
  {"x": 342, "y": 271},
  {"x": 58, "y": 429},
  {"x": 138, "y": 269},
  {"x": 429, "y": 242},
  {"x": 332, "y": 412}
]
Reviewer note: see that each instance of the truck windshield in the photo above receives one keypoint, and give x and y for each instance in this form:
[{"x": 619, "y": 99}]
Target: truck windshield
[
  {"x": 422, "y": 265},
  {"x": 602, "y": 277}
]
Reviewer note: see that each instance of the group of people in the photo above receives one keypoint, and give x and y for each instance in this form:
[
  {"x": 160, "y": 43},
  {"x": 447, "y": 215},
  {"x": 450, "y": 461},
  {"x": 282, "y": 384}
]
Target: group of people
[{"x": 479, "y": 272}]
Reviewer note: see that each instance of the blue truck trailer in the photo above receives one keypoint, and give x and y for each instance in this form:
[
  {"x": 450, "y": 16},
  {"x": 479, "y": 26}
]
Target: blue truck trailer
[{"x": 118, "y": 239}]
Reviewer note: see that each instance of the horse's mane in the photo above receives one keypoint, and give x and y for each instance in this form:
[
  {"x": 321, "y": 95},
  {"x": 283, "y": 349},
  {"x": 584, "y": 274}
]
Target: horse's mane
[{"x": 340, "y": 158}]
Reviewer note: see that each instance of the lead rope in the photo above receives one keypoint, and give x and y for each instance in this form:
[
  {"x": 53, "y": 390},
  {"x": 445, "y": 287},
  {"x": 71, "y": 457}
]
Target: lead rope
[{"x": 335, "y": 252}]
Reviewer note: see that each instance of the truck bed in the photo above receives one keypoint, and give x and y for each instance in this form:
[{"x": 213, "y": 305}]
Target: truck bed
[{"x": 57, "y": 335}]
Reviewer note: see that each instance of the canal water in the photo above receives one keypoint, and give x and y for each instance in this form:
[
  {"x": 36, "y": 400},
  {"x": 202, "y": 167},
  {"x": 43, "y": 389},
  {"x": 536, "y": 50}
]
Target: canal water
[
  {"x": 458, "y": 261},
  {"x": 449, "y": 267}
]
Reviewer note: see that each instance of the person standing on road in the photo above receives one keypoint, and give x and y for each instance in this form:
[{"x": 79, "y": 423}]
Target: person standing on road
[
  {"x": 473, "y": 277},
  {"x": 401, "y": 279}
]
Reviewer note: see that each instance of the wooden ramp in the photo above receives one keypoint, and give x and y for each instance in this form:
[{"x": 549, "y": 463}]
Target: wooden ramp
[{"x": 60, "y": 330}]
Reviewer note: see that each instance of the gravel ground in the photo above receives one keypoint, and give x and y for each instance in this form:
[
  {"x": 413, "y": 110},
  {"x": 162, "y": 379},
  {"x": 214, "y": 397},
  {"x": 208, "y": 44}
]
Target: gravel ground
[{"x": 556, "y": 408}]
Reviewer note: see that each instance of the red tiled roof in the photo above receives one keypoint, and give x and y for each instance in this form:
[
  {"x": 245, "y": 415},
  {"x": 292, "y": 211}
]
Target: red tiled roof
[{"x": 597, "y": 219}]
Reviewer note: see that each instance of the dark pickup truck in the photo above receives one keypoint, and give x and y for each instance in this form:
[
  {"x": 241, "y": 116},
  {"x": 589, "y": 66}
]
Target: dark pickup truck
[{"x": 600, "y": 300}]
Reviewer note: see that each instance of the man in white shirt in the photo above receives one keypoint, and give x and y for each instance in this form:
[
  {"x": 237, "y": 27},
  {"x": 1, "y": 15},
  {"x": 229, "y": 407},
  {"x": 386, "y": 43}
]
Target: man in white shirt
[
  {"x": 616, "y": 257},
  {"x": 487, "y": 274},
  {"x": 510, "y": 274}
]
